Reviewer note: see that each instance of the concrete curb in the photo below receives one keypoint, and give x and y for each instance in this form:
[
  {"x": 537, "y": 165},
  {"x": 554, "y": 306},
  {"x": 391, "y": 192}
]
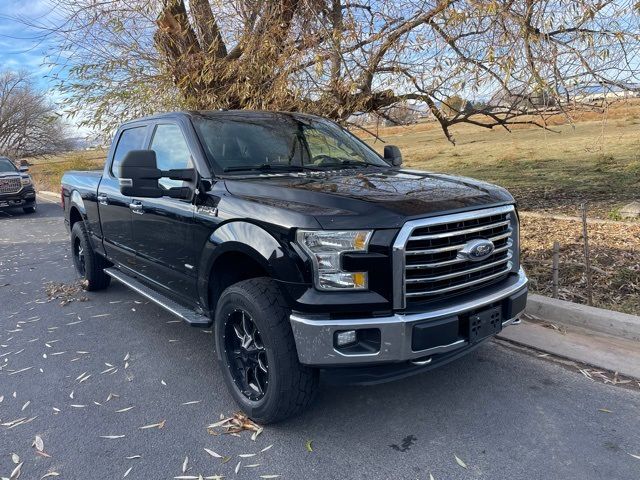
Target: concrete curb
[
  {"x": 597, "y": 319},
  {"x": 45, "y": 192}
]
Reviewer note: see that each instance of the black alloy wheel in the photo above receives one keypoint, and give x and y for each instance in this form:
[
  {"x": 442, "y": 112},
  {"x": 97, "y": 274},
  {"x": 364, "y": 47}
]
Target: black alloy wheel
[{"x": 246, "y": 355}]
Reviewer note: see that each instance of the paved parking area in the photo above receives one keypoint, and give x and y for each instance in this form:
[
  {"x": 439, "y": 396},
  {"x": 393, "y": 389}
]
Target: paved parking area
[{"x": 86, "y": 376}]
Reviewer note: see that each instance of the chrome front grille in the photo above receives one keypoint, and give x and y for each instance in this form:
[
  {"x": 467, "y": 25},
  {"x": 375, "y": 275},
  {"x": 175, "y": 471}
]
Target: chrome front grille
[
  {"x": 426, "y": 254},
  {"x": 10, "y": 185}
]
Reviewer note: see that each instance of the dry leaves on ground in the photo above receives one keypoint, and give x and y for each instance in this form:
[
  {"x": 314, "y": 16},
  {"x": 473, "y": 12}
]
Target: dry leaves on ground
[
  {"x": 66, "y": 292},
  {"x": 234, "y": 425},
  {"x": 615, "y": 260}
]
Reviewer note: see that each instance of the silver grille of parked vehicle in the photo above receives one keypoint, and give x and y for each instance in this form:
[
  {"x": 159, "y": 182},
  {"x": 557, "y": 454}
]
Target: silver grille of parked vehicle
[
  {"x": 10, "y": 185},
  {"x": 430, "y": 252}
]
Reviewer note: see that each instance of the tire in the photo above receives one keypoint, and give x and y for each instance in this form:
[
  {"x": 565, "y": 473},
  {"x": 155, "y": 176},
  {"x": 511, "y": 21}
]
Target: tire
[
  {"x": 287, "y": 386},
  {"x": 89, "y": 265},
  {"x": 31, "y": 209}
]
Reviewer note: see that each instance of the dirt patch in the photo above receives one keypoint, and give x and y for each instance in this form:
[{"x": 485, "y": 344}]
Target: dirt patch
[{"x": 615, "y": 259}]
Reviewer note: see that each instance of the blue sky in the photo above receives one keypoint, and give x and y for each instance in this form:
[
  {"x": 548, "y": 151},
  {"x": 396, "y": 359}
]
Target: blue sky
[
  {"x": 20, "y": 46},
  {"x": 24, "y": 48}
]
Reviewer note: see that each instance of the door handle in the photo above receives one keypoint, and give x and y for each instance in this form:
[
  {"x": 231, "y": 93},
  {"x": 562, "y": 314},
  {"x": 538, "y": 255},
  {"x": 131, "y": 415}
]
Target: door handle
[
  {"x": 136, "y": 207},
  {"x": 103, "y": 199}
]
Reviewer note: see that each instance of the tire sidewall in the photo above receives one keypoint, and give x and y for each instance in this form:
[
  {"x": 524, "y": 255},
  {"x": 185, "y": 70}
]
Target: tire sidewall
[
  {"x": 78, "y": 233},
  {"x": 232, "y": 299}
]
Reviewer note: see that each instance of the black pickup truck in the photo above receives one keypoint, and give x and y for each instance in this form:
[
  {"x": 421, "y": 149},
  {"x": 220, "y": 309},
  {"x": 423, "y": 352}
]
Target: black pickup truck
[
  {"x": 304, "y": 248},
  {"x": 16, "y": 187}
]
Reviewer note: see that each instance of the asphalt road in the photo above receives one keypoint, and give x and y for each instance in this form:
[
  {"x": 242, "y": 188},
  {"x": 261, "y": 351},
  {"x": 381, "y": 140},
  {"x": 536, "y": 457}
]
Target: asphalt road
[{"x": 504, "y": 413}]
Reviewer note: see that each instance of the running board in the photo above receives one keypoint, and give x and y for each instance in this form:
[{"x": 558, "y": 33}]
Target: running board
[{"x": 192, "y": 318}]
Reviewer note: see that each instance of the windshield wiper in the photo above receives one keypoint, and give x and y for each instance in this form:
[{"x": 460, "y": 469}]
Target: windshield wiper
[
  {"x": 344, "y": 163},
  {"x": 265, "y": 167}
]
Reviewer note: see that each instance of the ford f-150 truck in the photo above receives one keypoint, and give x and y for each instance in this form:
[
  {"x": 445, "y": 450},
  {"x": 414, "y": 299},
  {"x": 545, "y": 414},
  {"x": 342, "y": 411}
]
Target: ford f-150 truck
[
  {"x": 16, "y": 187},
  {"x": 304, "y": 248}
]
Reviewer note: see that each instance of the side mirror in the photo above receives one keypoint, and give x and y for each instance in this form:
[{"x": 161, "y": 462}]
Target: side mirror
[
  {"x": 23, "y": 168},
  {"x": 139, "y": 175},
  {"x": 392, "y": 155}
]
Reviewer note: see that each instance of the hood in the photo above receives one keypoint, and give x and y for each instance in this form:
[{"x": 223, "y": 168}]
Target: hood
[
  {"x": 10, "y": 174},
  {"x": 373, "y": 197}
]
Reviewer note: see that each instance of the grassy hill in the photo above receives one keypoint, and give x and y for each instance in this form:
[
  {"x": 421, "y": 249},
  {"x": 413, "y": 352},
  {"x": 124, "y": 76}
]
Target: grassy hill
[{"x": 596, "y": 160}]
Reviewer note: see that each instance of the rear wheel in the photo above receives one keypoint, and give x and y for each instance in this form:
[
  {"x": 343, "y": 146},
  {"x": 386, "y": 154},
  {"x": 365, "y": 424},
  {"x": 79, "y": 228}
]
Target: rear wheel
[
  {"x": 89, "y": 265},
  {"x": 257, "y": 352}
]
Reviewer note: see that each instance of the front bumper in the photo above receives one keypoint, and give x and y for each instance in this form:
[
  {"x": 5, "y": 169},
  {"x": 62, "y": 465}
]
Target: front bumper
[
  {"x": 393, "y": 334},
  {"x": 25, "y": 197}
]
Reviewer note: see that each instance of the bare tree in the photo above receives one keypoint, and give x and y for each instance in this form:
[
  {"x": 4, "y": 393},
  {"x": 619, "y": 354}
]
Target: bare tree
[
  {"x": 123, "y": 58},
  {"x": 29, "y": 125}
]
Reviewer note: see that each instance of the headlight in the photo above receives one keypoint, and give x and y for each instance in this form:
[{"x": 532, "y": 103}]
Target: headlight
[
  {"x": 325, "y": 247},
  {"x": 25, "y": 181}
]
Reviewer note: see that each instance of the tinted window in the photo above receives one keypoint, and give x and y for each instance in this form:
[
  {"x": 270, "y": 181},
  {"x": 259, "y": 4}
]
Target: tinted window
[
  {"x": 6, "y": 165},
  {"x": 130, "y": 139},
  {"x": 281, "y": 140},
  {"x": 171, "y": 150}
]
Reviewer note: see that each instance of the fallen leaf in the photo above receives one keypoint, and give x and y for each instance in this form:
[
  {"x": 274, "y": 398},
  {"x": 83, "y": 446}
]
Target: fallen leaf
[
  {"x": 212, "y": 453},
  {"x": 127, "y": 472},
  {"x": 15, "y": 473},
  {"x": 111, "y": 437},
  {"x": 124, "y": 410},
  {"x": 635, "y": 456},
  {"x": 460, "y": 462},
  {"x": 133, "y": 457},
  {"x": 604, "y": 410},
  {"x": 266, "y": 448},
  {"x": 39, "y": 444},
  {"x": 50, "y": 474},
  {"x": 15, "y": 458},
  {"x": 238, "y": 467},
  {"x": 269, "y": 476},
  {"x": 308, "y": 445},
  {"x": 154, "y": 425},
  {"x": 192, "y": 402},
  {"x": 184, "y": 464}
]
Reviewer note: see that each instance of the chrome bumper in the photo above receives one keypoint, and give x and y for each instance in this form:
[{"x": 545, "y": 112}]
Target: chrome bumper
[{"x": 315, "y": 337}]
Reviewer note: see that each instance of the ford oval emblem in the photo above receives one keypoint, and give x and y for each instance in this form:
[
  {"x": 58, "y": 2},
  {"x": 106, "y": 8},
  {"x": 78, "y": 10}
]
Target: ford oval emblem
[{"x": 476, "y": 250}]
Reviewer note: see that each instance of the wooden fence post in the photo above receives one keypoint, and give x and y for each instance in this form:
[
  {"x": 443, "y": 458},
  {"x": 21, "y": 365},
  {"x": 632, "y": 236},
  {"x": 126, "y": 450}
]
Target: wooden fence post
[
  {"x": 554, "y": 270},
  {"x": 587, "y": 259}
]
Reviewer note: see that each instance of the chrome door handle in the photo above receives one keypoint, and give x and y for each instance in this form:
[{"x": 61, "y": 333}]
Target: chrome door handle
[
  {"x": 103, "y": 199},
  {"x": 136, "y": 207}
]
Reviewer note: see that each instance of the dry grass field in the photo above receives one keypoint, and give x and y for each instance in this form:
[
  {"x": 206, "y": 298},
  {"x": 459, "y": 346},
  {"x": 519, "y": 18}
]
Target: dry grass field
[{"x": 595, "y": 160}]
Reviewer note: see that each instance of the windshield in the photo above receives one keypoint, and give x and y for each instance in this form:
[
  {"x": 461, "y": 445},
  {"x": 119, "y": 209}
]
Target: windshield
[
  {"x": 281, "y": 142},
  {"x": 6, "y": 166}
]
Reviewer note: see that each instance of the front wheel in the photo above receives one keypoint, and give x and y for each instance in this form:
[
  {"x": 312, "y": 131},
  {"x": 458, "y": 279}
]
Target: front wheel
[
  {"x": 257, "y": 352},
  {"x": 31, "y": 209}
]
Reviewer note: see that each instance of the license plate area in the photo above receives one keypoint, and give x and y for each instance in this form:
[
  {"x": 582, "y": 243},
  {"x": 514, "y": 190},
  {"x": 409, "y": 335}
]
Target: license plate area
[{"x": 485, "y": 323}]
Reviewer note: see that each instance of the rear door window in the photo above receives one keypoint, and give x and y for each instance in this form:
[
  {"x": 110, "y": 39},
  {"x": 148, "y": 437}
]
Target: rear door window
[{"x": 130, "y": 139}]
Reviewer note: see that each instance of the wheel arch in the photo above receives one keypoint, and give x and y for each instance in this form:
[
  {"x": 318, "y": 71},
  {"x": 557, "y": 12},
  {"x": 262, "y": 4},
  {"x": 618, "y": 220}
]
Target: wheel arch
[
  {"x": 77, "y": 210},
  {"x": 240, "y": 250}
]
